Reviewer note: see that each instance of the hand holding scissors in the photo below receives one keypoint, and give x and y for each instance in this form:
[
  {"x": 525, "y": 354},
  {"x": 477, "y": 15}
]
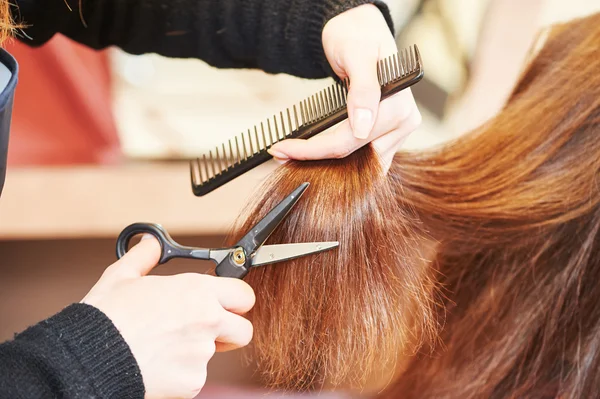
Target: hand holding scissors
[{"x": 247, "y": 253}]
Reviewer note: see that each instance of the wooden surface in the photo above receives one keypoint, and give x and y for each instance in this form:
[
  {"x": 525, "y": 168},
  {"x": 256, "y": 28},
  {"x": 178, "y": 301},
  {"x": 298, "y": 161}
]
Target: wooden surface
[{"x": 88, "y": 202}]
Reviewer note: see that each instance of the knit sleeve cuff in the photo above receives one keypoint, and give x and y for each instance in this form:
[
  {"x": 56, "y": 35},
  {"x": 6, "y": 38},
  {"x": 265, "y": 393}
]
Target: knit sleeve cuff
[
  {"x": 326, "y": 11},
  {"x": 92, "y": 338}
]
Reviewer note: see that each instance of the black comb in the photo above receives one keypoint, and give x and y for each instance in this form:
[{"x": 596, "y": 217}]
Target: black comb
[{"x": 306, "y": 119}]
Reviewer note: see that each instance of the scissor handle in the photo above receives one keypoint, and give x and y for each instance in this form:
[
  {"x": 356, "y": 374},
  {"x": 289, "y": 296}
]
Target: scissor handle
[{"x": 168, "y": 247}]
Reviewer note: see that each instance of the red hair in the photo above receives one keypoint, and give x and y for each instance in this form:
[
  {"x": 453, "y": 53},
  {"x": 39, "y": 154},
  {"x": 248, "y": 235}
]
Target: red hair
[
  {"x": 502, "y": 222},
  {"x": 327, "y": 317}
]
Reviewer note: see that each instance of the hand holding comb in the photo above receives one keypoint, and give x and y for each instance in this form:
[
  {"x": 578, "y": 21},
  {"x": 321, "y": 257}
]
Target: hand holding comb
[{"x": 304, "y": 120}]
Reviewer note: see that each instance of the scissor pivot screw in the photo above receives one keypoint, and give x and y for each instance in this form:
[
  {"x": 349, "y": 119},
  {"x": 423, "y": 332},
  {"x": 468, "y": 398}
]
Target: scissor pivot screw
[{"x": 239, "y": 258}]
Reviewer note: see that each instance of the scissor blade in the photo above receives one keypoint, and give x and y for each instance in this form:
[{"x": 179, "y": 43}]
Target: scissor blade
[
  {"x": 279, "y": 252},
  {"x": 263, "y": 229}
]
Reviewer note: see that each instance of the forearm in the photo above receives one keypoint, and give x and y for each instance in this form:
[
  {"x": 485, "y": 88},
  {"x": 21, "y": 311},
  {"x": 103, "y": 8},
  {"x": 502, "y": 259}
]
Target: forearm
[
  {"x": 276, "y": 36},
  {"x": 77, "y": 353},
  {"x": 499, "y": 58}
]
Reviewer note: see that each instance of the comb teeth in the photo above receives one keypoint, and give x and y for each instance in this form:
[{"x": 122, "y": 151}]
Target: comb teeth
[
  {"x": 303, "y": 120},
  {"x": 399, "y": 66}
]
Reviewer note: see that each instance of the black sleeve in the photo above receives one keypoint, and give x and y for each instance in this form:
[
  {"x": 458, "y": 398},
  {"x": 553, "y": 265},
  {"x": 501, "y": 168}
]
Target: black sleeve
[
  {"x": 77, "y": 353},
  {"x": 277, "y": 36}
]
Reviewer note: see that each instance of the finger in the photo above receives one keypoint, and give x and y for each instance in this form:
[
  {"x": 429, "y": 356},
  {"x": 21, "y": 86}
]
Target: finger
[
  {"x": 140, "y": 259},
  {"x": 235, "y": 332},
  {"x": 225, "y": 347},
  {"x": 387, "y": 151},
  {"x": 360, "y": 65},
  {"x": 233, "y": 294},
  {"x": 339, "y": 142},
  {"x": 388, "y": 145}
]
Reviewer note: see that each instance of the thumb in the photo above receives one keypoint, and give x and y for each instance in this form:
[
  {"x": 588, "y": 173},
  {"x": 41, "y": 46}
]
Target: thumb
[
  {"x": 365, "y": 93},
  {"x": 141, "y": 258}
]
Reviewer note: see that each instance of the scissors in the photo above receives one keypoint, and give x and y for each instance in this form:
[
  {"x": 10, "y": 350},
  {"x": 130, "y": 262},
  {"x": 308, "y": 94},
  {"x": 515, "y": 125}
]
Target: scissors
[{"x": 247, "y": 253}]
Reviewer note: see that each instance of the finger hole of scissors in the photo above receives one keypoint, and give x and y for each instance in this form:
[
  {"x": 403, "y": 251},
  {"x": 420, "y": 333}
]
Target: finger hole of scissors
[{"x": 126, "y": 239}]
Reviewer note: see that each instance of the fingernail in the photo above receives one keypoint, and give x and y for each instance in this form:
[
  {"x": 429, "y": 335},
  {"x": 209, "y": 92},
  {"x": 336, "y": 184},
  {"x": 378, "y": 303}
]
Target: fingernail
[
  {"x": 145, "y": 236},
  {"x": 362, "y": 123},
  {"x": 278, "y": 154},
  {"x": 280, "y": 161}
]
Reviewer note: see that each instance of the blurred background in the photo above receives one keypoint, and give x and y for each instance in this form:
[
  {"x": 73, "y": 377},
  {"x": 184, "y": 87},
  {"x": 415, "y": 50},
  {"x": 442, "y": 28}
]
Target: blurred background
[{"x": 100, "y": 140}]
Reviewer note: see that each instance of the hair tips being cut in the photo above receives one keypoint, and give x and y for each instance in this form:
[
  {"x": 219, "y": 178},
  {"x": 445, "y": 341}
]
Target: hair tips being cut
[{"x": 326, "y": 318}]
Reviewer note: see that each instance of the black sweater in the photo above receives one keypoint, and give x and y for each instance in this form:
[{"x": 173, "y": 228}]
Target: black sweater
[
  {"x": 277, "y": 36},
  {"x": 79, "y": 353}
]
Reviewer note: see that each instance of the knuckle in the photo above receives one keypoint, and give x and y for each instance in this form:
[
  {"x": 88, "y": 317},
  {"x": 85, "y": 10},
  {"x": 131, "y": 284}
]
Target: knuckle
[
  {"x": 212, "y": 317},
  {"x": 194, "y": 283}
]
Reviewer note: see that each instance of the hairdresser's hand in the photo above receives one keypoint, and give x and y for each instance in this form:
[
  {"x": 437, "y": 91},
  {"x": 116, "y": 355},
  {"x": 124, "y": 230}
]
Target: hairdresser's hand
[
  {"x": 354, "y": 41},
  {"x": 173, "y": 324}
]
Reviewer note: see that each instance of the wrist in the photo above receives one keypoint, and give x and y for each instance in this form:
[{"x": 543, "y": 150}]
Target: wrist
[
  {"x": 98, "y": 347},
  {"x": 330, "y": 9}
]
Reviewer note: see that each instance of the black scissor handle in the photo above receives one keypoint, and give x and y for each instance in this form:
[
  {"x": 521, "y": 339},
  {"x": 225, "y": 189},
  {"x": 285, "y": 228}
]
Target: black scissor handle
[{"x": 168, "y": 247}]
